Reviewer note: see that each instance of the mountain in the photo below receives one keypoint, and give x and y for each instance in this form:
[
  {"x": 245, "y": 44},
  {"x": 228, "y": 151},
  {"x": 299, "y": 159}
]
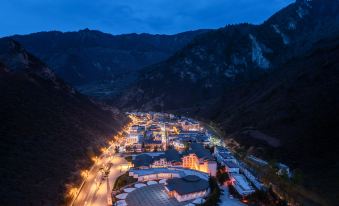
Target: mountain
[
  {"x": 236, "y": 53},
  {"x": 101, "y": 64},
  {"x": 273, "y": 87},
  {"x": 48, "y": 130},
  {"x": 291, "y": 115}
]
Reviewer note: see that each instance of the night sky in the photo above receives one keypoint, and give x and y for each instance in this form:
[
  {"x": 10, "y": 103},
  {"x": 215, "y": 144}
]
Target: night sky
[{"x": 129, "y": 16}]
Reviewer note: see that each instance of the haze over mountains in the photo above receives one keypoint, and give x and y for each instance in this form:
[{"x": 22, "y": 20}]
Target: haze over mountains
[{"x": 278, "y": 80}]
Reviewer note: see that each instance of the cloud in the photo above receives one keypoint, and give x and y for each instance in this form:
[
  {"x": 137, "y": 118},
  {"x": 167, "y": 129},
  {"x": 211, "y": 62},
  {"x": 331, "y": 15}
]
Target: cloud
[{"x": 127, "y": 16}]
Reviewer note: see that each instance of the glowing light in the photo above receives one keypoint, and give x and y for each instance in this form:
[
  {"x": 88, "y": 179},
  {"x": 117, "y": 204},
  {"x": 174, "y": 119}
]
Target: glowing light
[
  {"x": 245, "y": 201},
  {"x": 175, "y": 130},
  {"x": 72, "y": 192},
  {"x": 103, "y": 149},
  {"x": 95, "y": 159},
  {"x": 84, "y": 174}
]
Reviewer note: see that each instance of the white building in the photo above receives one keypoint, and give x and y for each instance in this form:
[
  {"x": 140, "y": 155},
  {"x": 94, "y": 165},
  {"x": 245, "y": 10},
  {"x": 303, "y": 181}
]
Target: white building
[
  {"x": 231, "y": 166},
  {"x": 241, "y": 185},
  {"x": 187, "y": 188},
  {"x": 222, "y": 154},
  {"x": 133, "y": 139},
  {"x": 190, "y": 125},
  {"x": 257, "y": 160}
]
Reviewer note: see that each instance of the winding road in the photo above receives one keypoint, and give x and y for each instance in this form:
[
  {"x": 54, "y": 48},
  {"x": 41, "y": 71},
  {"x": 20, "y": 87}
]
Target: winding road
[{"x": 96, "y": 190}]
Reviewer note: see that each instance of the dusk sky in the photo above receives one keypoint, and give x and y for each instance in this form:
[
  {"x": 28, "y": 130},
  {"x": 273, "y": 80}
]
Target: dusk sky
[{"x": 129, "y": 16}]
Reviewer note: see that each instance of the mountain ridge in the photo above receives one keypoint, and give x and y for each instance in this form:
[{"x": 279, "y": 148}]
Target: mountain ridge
[
  {"x": 47, "y": 128},
  {"x": 94, "y": 61}
]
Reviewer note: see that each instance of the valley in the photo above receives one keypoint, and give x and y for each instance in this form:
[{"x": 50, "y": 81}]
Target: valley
[{"x": 240, "y": 114}]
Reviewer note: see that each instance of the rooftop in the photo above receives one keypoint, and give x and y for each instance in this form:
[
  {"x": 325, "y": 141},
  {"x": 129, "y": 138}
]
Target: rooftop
[
  {"x": 188, "y": 184},
  {"x": 142, "y": 160},
  {"x": 151, "y": 141},
  {"x": 156, "y": 171},
  {"x": 231, "y": 164},
  {"x": 241, "y": 181},
  {"x": 200, "y": 151},
  {"x": 172, "y": 155},
  {"x": 222, "y": 149}
]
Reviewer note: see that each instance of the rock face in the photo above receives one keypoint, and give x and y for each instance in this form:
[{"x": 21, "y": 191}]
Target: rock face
[
  {"x": 48, "y": 130},
  {"x": 278, "y": 80},
  {"x": 236, "y": 53},
  {"x": 101, "y": 64}
]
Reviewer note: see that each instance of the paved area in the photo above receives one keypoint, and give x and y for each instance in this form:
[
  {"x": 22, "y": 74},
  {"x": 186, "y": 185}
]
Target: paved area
[
  {"x": 226, "y": 200},
  {"x": 153, "y": 195}
]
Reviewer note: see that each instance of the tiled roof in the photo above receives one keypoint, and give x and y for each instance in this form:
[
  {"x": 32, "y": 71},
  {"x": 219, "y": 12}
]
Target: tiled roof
[
  {"x": 200, "y": 151},
  {"x": 172, "y": 155},
  {"x": 142, "y": 160},
  {"x": 187, "y": 185}
]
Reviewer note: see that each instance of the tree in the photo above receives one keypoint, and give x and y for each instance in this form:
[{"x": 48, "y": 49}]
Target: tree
[
  {"x": 211, "y": 149},
  {"x": 116, "y": 149},
  {"x": 147, "y": 148},
  {"x": 186, "y": 146},
  {"x": 214, "y": 197},
  {"x": 128, "y": 148},
  {"x": 298, "y": 176},
  {"x": 223, "y": 177},
  {"x": 259, "y": 196}
]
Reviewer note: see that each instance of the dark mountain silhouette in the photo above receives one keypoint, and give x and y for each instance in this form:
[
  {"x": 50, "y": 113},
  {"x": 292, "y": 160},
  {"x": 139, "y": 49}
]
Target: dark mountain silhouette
[
  {"x": 233, "y": 54},
  {"x": 101, "y": 64},
  {"x": 48, "y": 131}
]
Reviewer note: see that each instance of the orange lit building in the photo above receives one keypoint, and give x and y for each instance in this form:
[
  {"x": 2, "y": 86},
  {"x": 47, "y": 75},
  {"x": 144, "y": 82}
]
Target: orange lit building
[{"x": 198, "y": 158}]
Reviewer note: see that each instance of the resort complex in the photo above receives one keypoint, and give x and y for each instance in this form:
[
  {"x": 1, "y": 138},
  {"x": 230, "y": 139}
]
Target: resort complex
[{"x": 173, "y": 158}]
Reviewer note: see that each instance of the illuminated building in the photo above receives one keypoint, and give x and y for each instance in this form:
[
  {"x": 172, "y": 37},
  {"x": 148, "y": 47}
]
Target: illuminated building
[
  {"x": 199, "y": 158},
  {"x": 241, "y": 185},
  {"x": 190, "y": 125},
  {"x": 187, "y": 188}
]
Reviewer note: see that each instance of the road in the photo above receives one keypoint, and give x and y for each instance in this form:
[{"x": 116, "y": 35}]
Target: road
[
  {"x": 95, "y": 191},
  {"x": 225, "y": 200}
]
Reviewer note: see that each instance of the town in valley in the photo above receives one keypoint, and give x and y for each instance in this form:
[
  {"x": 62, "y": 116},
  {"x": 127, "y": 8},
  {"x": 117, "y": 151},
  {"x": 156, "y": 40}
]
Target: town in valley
[{"x": 164, "y": 159}]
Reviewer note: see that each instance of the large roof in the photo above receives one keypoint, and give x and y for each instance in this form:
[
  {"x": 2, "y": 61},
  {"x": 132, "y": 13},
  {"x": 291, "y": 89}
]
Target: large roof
[
  {"x": 231, "y": 164},
  {"x": 188, "y": 184},
  {"x": 151, "y": 141},
  {"x": 200, "y": 151},
  {"x": 172, "y": 155},
  {"x": 142, "y": 160}
]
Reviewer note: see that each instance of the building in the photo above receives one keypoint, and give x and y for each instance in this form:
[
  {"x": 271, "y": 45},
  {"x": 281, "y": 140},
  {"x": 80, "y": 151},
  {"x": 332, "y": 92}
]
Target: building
[
  {"x": 283, "y": 170},
  {"x": 179, "y": 145},
  {"x": 231, "y": 166},
  {"x": 170, "y": 158},
  {"x": 257, "y": 161},
  {"x": 151, "y": 144},
  {"x": 155, "y": 174},
  {"x": 190, "y": 125},
  {"x": 173, "y": 157},
  {"x": 199, "y": 158},
  {"x": 252, "y": 178},
  {"x": 142, "y": 161},
  {"x": 133, "y": 139},
  {"x": 241, "y": 185},
  {"x": 222, "y": 154},
  {"x": 187, "y": 188}
]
